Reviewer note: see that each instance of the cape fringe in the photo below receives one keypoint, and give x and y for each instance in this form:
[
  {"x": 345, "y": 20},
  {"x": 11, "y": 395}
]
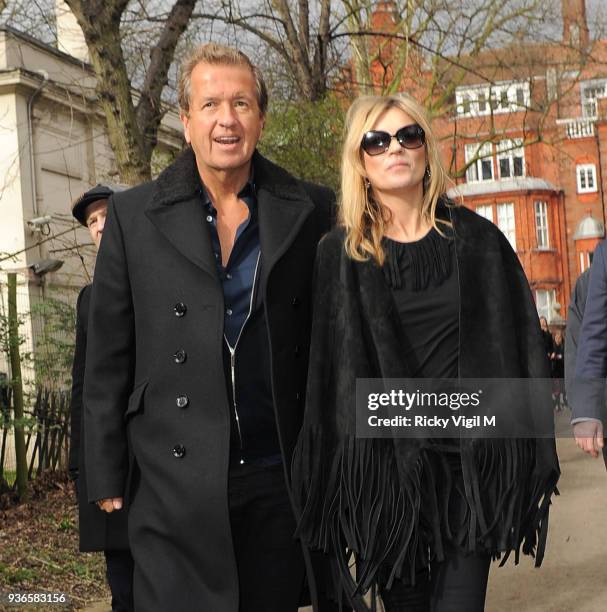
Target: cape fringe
[{"x": 356, "y": 505}]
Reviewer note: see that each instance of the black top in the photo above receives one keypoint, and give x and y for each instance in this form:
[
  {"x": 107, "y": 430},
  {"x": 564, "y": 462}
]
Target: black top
[{"x": 423, "y": 278}]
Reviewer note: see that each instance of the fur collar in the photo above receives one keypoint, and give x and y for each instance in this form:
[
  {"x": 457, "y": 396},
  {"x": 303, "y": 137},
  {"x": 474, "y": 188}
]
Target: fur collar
[{"x": 180, "y": 181}]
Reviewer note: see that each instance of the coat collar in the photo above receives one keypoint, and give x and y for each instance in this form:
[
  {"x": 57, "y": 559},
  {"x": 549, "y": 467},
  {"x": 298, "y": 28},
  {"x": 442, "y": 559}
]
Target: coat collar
[{"x": 176, "y": 210}]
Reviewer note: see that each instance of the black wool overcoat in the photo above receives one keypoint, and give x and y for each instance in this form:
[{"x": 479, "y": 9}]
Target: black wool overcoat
[
  {"x": 97, "y": 530},
  {"x": 143, "y": 353}
]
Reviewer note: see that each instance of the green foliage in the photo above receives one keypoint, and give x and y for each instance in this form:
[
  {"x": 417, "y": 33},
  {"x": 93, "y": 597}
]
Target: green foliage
[
  {"x": 18, "y": 575},
  {"x": 10, "y": 476},
  {"x": 305, "y": 138},
  {"x": 66, "y": 523},
  {"x": 52, "y": 360}
]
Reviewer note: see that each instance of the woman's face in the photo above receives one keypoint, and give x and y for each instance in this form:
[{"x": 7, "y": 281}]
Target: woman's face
[{"x": 398, "y": 169}]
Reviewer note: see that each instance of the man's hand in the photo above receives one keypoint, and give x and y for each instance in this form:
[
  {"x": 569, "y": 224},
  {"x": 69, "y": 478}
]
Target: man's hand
[
  {"x": 589, "y": 436},
  {"x": 110, "y": 504}
]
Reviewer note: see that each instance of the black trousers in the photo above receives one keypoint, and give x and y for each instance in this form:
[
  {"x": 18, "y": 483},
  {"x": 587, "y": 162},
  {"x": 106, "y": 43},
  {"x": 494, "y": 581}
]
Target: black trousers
[
  {"x": 270, "y": 562},
  {"x": 457, "y": 584},
  {"x": 119, "y": 572}
]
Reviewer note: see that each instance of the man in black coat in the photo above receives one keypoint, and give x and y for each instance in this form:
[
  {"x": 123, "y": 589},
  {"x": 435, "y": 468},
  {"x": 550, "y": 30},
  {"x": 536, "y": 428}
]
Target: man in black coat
[
  {"x": 198, "y": 349},
  {"x": 98, "y": 531}
]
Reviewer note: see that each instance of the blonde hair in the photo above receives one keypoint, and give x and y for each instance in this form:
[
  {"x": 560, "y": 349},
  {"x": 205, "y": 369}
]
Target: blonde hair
[
  {"x": 216, "y": 54},
  {"x": 363, "y": 218}
]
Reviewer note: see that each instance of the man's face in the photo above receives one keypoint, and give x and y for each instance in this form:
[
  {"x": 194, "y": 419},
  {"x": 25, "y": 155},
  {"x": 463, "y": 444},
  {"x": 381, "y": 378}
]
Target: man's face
[
  {"x": 94, "y": 215},
  {"x": 224, "y": 122}
]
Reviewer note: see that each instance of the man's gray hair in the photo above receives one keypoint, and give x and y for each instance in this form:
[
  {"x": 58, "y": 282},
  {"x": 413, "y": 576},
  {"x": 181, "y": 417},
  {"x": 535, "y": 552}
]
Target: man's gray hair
[{"x": 216, "y": 54}]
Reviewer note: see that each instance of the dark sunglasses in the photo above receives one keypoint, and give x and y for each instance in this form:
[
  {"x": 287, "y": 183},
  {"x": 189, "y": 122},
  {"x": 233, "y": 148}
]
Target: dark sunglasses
[{"x": 377, "y": 142}]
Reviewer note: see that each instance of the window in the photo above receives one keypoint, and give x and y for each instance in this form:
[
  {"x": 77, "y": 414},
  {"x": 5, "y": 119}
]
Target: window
[
  {"x": 486, "y": 211},
  {"x": 498, "y": 98},
  {"x": 505, "y": 221},
  {"x": 586, "y": 178},
  {"x": 511, "y": 158},
  {"x": 520, "y": 97},
  {"x": 591, "y": 92},
  {"x": 482, "y": 102},
  {"x": 482, "y": 168},
  {"x": 541, "y": 225},
  {"x": 545, "y": 299}
]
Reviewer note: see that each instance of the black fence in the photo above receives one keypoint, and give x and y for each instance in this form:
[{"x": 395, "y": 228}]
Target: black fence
[{"x": 46, "y": 427}]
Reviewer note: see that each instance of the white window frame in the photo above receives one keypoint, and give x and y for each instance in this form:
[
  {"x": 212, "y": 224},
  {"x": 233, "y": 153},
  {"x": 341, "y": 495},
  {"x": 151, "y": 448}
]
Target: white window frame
[
  {"x": 486, "y": 211},
  {"x": 484, "y": 153},
  {"x": 511, "y": 150},
  {"x": 502, "y": 97},
  {"x": 545, "y": 299},
  {"x": 507, "y": 222},
  {"x": 590, "y": 92},
  {"x": 586, "y": 178},
  {"x": 542, "y": 234}
]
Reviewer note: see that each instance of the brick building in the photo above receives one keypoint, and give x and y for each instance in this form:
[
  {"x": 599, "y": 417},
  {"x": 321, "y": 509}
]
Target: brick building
[{"x": 525, "y": 137}]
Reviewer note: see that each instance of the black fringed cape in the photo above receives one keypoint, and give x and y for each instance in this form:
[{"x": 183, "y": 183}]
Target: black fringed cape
[{"x": 383, "y": 502}]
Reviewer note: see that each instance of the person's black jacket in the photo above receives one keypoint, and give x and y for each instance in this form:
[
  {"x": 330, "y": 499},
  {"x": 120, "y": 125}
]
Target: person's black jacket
[
  {"x": 375, "y": 501},
  {"x": 155, "y": 372},
  {"x": 98, "y": 530}
]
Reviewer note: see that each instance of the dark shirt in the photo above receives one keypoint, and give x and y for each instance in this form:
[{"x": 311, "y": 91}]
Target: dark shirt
[
  {"x": 423, "y": 279},
  {"x": 424, "y": 285},
  {"x": 254, "y": 436},
  {"x": 238, "y": 276}
]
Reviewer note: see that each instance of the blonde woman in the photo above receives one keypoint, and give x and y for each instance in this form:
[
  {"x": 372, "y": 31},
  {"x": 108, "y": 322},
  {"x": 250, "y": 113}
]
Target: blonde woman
[{"x": 412, "y": 285}]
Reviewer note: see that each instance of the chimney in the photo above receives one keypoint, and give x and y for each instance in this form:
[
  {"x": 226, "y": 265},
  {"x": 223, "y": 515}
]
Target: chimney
[
  {"x": 70, "y": 38},
  {"x": 384, "y": 16},
  {"x": 575, "y": 26}
]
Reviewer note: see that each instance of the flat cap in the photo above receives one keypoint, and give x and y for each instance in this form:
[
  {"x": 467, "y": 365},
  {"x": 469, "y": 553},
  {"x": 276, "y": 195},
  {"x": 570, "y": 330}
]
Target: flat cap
[{"x": 98, "y": 192}]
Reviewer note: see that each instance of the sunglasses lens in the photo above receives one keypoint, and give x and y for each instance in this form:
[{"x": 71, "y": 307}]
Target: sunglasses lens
[
  {"x": 411, "y": 137},
  {"x": 375, "y": 143}
]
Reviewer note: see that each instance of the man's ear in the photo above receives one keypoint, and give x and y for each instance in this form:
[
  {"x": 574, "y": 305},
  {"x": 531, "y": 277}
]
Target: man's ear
[{"x": 185, "y": 121}]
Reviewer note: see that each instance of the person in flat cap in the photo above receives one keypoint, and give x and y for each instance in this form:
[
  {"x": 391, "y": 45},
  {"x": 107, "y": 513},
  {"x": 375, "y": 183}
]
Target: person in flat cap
[{"x": 98, "y": 531}]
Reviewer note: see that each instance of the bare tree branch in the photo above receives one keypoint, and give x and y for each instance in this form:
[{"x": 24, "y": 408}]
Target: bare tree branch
[
  {"x": 132, "y": 132},
  {"x": 149, "y": 111}
]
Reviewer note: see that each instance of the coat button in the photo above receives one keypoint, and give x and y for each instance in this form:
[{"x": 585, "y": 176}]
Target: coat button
[
  {"x": 180, "y": 356},
  {"x": 297, "y": 350},
  {"x": 297, "y": 396},
  {"x": 295, "y": 302},
  {"x": 178, "y": 451},
  {"x": 180, "y": 309},
  {"x": 182, "y": 401}
]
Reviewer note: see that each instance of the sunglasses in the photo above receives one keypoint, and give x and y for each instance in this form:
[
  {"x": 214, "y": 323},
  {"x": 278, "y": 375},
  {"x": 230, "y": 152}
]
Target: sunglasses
[{"x": 377, "y": 142}]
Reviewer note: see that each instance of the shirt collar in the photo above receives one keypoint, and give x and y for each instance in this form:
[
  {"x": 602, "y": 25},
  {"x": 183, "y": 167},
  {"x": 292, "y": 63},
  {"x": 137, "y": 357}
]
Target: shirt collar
[{"x": 246, "y": 194}]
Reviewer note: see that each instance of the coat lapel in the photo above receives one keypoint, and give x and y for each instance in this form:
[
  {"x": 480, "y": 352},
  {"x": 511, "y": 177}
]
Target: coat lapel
[
  {"x": 283, "y": 208},
  {"x": 176, "y": 211}
]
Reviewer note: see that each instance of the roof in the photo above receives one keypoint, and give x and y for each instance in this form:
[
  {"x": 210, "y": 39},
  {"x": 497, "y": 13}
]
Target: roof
[
  {"x": 44, "y": 46},
  {"x": 589, "y": 227},
  {"x": 502, "y": 186}
]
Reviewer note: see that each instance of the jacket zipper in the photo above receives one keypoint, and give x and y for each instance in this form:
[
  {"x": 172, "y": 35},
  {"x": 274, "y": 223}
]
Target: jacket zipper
[{"x": 233, "y": 357}]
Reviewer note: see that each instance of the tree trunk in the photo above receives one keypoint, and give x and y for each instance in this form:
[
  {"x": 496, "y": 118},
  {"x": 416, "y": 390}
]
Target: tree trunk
[{"x": 17, "y": 386}]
